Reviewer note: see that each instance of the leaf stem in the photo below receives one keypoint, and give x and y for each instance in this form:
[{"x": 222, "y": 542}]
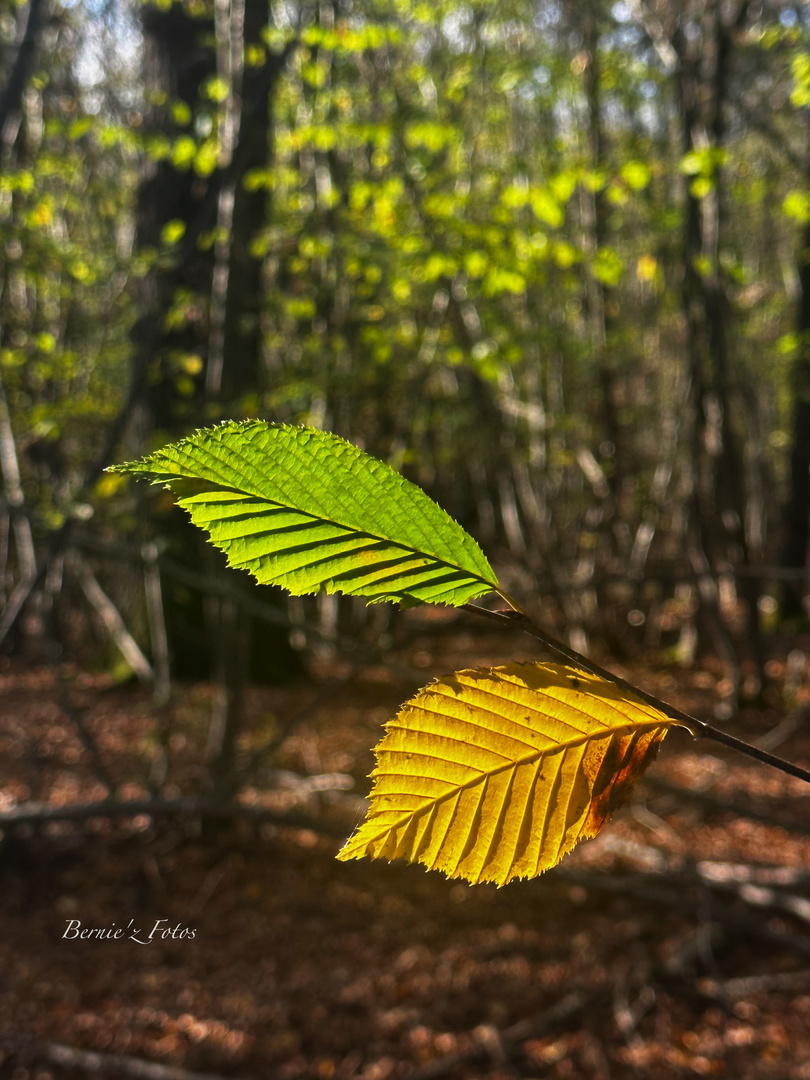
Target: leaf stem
[
  {"x": 519, "y": 619},
  {"x": 510, "y": 601}
]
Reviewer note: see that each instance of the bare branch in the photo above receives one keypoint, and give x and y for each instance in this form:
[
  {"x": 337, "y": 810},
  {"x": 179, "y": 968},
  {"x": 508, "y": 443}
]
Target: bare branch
[
  {"x": 111, "y": 618},
  {"x": 691, "y": 723}
]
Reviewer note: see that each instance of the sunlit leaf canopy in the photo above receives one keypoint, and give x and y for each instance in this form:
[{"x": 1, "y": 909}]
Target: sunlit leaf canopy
[
  {"x": 497, "y": 773},
  {"x": 306, "y": 510},
  {"x": 431, "y": 253}
]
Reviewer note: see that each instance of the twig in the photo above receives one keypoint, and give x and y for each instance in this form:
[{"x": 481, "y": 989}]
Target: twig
[
  {"x": 773, "y": 877},
  {"x": 206, "y": 583},
  {"x": 114, "y": 1064},
  {"x": 697, "y": 727},
  {"x": 16, "y": 602}
]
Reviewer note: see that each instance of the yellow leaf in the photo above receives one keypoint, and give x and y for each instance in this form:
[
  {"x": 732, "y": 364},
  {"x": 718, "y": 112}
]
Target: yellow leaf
[
  {"x": 496, "y": 773},
  {"x": 647, "y": 268},
  {"x": 41, "y": 216}
]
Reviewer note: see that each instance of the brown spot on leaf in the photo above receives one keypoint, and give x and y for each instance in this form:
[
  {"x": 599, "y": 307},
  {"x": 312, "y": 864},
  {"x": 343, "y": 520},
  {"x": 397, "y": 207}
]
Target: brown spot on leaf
[{"x": 625, "y": 760}]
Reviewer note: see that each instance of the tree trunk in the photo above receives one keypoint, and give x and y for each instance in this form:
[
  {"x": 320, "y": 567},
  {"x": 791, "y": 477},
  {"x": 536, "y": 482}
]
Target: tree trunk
[
  {"x": 719, "y": 497},
  {"x": 798, "y": 508},
  {"x": 243, "y": 339}
]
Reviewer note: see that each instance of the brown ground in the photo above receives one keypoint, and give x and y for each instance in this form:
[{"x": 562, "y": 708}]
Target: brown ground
[{"x": 676, "y": 944}]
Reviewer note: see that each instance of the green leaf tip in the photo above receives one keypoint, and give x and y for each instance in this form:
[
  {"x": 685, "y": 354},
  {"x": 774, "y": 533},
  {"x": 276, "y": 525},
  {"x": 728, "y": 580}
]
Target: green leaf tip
[{"x": 306, "y": 510}]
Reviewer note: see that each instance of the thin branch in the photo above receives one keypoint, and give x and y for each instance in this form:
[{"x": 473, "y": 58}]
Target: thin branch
[
  {"x": 16, "y": 602},
  {"x": 111, "y": 618},
  {"x": 660, "y": 40},
  {"x": 691, "y": 723}
]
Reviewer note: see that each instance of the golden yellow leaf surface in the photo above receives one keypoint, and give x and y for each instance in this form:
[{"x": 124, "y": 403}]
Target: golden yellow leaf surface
[{"x": 496, "y": 773}]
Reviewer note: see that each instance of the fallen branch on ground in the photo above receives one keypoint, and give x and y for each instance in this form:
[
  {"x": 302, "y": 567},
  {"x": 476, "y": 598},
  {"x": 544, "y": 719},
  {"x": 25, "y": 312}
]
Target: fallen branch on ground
[
  {"x": 32, "y": 813},
  {"x": 491, "y": 1043},
  {"x": 732, "y": 806},
  {"x": 656, "y": 889},
  {"x": 114, "y": 1064}
]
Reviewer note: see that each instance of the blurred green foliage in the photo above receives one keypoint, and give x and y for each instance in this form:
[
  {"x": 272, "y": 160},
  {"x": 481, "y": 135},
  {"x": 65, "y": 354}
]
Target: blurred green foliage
[{"x": 452, "y": 276}]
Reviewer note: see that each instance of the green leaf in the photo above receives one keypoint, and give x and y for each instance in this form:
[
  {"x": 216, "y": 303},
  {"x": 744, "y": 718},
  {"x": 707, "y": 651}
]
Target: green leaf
[
  {"x": 172, "y": 231},
  {"x": 216, "y": 89},
  {"x": 636, "y": 174},
  {"x": 608, "y": 266},
  {"x": 796, "y": 205},
  {"x": 546, "y": 207},
  {"x": 205, "y": 160},
  {"x": 306, "y": 510}
]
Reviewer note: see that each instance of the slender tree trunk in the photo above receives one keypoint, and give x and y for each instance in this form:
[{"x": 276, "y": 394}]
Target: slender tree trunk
[
  {"x": 718, "y": 502},
  {"x": 602, "y": 321},
  {"x": 235, "y": 353},
  {"x": 798, "y": 508},
  {"x": 177, "y": 62},
  {"x": 15, "y": 498},
  {"x": 11, "y": 97},
  {"x": 243, "y": 337}
]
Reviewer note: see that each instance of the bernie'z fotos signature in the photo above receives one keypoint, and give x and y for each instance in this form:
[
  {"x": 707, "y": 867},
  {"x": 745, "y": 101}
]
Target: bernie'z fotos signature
[{"x": 112, "y": 933}]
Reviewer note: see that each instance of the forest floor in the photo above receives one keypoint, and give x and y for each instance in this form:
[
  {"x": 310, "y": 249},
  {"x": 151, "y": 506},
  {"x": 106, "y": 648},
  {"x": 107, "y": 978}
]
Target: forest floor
[{"x": 675, "y": 944}]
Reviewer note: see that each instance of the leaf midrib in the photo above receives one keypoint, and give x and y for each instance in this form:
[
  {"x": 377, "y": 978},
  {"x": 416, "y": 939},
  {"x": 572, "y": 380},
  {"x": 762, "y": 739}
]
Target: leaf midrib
[
  {"x": 281, "y": 465},
  {"x": 486, "y": 774},
  {"x": 330, "y": 521}
]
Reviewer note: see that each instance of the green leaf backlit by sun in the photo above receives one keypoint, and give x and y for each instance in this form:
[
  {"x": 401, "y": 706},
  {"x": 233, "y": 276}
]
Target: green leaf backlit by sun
[{"x": 306, "y": 510}]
